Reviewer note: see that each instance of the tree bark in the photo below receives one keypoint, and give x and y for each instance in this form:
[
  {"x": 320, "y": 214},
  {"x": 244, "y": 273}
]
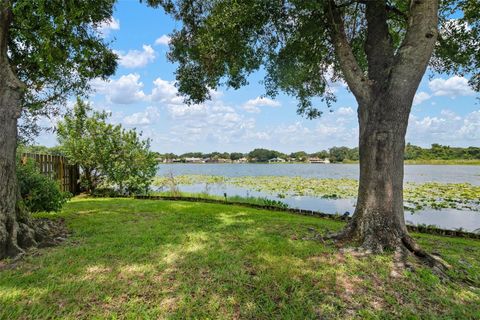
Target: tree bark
[
  {"x": 378, "y": 222},
  {"x": 10, "y": 101},
  {"x": 384, "y": 93},
  {"x": 10, "y": 94}
]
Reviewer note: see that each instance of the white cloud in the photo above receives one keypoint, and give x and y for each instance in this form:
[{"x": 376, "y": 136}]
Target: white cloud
[
  {"x": 253, "y": 105},
  {"x": 107, "y": 26},
  {"x": 345, "y": 111},
  {"x": 451, "y": 87},
  {"x": 126, "y": 90},
  {"x": 149, "y": 116},
  {"x": 165, "y": 92},
  {"x": 163, "y": 40},
  {"x": 136, "y": 58},
  {"x": 420, "y": 97},
  {"x": 447, "y": 128},
  {"x": 471, "y": 126}
]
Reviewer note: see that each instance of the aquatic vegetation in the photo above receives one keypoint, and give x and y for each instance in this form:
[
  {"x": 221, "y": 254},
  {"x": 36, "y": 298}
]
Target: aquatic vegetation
[{"x": 463, "y": 196}]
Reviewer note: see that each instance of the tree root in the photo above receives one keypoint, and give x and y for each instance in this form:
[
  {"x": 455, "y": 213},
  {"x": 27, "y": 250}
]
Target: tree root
[
  {"x": 438, "y": 265},
  {"x": 35, "y": 233},
  {"x": 403, "y": 246}
]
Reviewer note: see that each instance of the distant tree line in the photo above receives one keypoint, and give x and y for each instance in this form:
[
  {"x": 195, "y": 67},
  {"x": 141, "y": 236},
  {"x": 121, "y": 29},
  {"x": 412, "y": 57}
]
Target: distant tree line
[
  {"x": 335, "y": 154},
  {"x": 440, "y": 152}
]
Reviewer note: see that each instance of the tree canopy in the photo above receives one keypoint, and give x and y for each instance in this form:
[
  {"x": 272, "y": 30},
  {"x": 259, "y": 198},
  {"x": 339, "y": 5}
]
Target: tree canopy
[
  {"x": 54, "y": 48},
  {"x": 299, "y": 44}
]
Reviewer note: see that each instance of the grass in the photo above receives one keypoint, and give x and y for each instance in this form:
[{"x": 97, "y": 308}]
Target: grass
[
  {"x": 141, "y": 259},
  {"x": 231, "y": 199}
]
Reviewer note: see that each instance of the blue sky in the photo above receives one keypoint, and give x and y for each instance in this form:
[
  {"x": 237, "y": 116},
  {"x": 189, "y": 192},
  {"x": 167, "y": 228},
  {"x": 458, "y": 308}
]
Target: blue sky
[{"x": 142, "y": 95}]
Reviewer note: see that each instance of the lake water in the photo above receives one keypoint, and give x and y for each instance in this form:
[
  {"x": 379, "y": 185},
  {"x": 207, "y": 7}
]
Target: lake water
[
  {"x": 413, "y": 173},
  {"x": 445, "y": 218}
]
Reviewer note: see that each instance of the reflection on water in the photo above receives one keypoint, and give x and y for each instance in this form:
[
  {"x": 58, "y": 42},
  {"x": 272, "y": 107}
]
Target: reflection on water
[{"x": 445, "y": 218}]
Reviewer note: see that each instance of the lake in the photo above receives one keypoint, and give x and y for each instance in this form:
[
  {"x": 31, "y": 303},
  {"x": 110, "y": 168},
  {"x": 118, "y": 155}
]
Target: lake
[
  {"x": 445, "y": 218},
  {"x": 413, "y": 173}
]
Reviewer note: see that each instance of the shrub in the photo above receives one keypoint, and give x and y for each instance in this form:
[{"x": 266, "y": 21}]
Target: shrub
[
  {"x": 39, "y": 192},
  {"x": 108, "y": 155}
]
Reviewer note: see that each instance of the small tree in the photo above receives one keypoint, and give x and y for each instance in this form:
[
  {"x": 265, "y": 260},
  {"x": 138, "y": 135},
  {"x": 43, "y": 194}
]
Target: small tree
[
  {"x": 86, "y": 141},
  {"x": 106, "y": 153},
  {"x": 132, "y": 165}
]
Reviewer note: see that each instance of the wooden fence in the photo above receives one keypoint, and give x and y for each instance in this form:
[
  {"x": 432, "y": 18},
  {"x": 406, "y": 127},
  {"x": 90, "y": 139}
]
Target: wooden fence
[{"x": 57, "y": 168}]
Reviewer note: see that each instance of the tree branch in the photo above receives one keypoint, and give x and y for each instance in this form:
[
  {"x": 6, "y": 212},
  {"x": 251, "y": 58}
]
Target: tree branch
[
  {"x": 378, "y": 45},
  {"x": 356, "y": 80},
  {"x": 412, "y": 57},
  {"x": 5, "y": 20}
]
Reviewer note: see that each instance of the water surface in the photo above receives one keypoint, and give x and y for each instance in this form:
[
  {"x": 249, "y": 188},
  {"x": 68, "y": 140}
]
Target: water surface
[
  {"x": 413, "y": 173},
  {"x": 445, "y": 218}
]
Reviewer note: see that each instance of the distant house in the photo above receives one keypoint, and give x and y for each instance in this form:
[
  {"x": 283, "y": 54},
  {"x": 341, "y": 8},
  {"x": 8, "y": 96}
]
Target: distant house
[
  {"x": 241, "y": 160},
  {"x": 194, "y": 160},
  {"x": 318, "y": 160},
  {"x": 276, "y": 160},
  {"x": 217, "y": 160}
]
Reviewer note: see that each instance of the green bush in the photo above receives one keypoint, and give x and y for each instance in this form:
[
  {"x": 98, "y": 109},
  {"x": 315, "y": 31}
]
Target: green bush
[{"x": 39, "y": 192}]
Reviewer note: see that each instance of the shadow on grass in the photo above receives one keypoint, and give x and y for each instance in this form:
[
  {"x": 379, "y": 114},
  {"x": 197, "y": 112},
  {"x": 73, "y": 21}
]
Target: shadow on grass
[{"x": 151, "y": 259}]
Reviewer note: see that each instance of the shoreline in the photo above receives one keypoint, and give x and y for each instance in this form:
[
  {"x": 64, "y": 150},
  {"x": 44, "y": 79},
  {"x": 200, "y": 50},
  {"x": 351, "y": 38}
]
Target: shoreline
[{"x": 407, "y": 162}]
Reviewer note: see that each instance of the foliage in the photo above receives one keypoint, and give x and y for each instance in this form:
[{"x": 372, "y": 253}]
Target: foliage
[
  {"x": 263, "y": 155},
  {"x": 339, "y": 154},
  {"x": 299, "y": 155},
  {"x": 345, "y": 154},
  {"x": 417, "y": 196},
  {"x": 131, "y": 165},
  {"x": 39, "y": 192},
  {"x": 106, "y": 153},
  {"x": 156, "y": 259},
  {"x": 54, "y": 151},
  {"x": 55, "y": 49},
  {"x": 236, "y": 156},
  {"x": 440, "y": 152},
  {"x": 296, "y": 43}
]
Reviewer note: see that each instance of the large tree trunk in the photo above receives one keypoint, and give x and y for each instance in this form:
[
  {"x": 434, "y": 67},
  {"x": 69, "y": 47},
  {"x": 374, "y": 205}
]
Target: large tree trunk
[
  {"x": 384, "y": 92},
  {"x": 10, "y": 95},
  {"x": 378, "y": 222},
  {"x": 17, "y": 231},
  {"x": 10, "y": 98}
]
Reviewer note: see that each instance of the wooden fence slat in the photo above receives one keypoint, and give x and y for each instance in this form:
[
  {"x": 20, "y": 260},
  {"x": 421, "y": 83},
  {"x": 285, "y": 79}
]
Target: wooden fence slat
[{"x": 57, "y": 168}]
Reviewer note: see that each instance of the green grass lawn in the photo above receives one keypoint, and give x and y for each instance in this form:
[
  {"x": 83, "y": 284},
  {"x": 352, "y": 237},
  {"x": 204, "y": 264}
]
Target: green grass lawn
[{"x": 139, "y": 259}]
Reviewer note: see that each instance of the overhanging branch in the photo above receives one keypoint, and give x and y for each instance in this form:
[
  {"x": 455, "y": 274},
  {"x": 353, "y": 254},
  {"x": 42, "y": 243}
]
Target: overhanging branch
[
  {"x": 412, "y": 57},
  {"x": 356, "y": 80}
]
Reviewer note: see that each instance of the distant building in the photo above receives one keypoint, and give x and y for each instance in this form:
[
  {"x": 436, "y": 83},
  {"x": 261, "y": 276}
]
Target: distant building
[
  {"x": 276, "y": 160},
  {"x": 318, "y": 160},
  {"x": 241, "y": 160},
  {"x": 217, "y": 160},
  {"x": 194, "y": 160}
]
